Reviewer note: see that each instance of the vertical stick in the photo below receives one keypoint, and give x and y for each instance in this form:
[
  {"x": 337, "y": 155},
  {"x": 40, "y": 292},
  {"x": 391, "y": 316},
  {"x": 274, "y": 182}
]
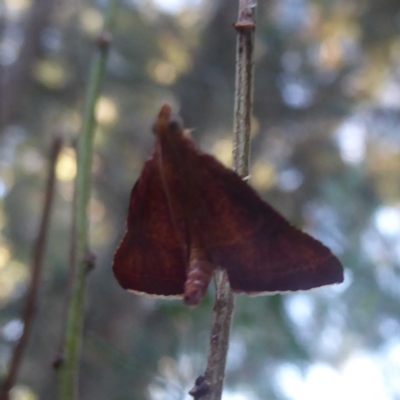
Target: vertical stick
[
  {"x": 219, "y": 339},
  {"x": 68, "y": 373},
  {"x": 244, "y": 86},
  {"x": 37, "y": 266},
  {"x": 210, "y": 386}
]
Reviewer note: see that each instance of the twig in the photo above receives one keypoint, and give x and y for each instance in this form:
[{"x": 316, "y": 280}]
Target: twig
[
  {"x": 244, "y": 86},
  {"x": 219, "y": 339},
  {"x": 210, "y": 386},
  {"x": 68, "y": 371},
  {"x": 37, "y": 264}
]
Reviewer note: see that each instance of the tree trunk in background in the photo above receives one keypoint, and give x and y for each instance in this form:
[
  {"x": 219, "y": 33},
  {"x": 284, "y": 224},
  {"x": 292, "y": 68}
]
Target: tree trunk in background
[{"x": 17, "y": 77}]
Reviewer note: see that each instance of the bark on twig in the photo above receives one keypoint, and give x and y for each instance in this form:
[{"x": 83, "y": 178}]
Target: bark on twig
[
  {"x": 37, "y": 264},
  {"x": 210, "y": 386},
  {"x": 244, "y": 86}
]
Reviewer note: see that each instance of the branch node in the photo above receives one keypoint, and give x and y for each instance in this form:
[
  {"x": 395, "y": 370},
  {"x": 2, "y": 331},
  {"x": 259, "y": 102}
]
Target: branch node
[
  {"x": 104, "y": 40},
  {"x": 200, "y": 389},
  {"x": 58, "y": 362},
  {"x": 90, "y": 261},
  {"x": 243, "y": 26}
]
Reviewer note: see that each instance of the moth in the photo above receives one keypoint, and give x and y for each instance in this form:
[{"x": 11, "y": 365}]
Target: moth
[{"x": 189, "y": 215}]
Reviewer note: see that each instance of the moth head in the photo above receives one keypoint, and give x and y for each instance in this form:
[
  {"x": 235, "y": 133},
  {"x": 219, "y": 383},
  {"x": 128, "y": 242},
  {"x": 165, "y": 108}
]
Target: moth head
[
  {"x": 167, "y": 122},
  {"x": 175, "y": 124}
]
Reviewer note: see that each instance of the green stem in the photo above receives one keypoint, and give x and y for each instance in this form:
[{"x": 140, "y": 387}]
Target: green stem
[
  {"x": 68, "y": 373},
  {"x": 224, "y": 300}
]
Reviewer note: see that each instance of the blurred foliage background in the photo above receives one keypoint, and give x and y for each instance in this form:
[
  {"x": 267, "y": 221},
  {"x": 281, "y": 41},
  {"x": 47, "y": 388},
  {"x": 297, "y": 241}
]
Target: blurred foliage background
[{"x": 325, "y": 153}]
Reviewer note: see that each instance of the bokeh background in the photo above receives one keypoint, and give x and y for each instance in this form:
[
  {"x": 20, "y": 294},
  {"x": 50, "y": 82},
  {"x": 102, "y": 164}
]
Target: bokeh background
[{"x": 325, "y": 153}]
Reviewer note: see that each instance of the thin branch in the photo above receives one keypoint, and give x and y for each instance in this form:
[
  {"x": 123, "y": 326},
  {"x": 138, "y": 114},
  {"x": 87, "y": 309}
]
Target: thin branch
[
  {"x": 244, "y": 86},
  {"x": 219, "y": 339},
  {"x": 37, "y": 264},
  {"x": 68, "y": 371},
  {"x": 210, "y": 386}
]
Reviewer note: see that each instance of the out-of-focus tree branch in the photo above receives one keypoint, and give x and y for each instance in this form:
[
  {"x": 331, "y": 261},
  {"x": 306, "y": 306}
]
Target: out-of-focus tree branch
[
  {"x": 82, "y": 259},
  {"x": 37, "y": 263}
]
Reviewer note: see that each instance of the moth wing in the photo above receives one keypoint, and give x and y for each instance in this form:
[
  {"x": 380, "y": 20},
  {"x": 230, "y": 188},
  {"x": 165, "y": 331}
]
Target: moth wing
[
  {"x": 259, "y": 249},
  {"x": 150, "y": 257}
]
